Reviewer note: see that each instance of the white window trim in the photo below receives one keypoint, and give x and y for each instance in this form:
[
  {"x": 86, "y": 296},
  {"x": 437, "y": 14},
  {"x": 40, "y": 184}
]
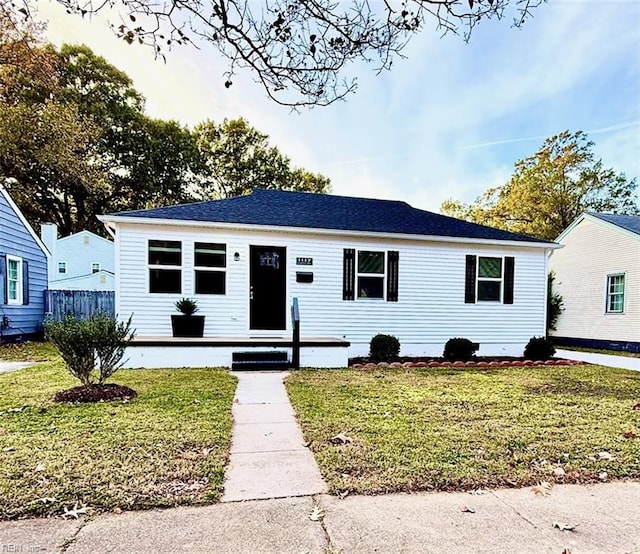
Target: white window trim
[
  {"x": 377, "y": 275},
  {"x": 99, "y": 267},
  {"x": 161, "y": 266},
  {"x": 19, "y": 284},
  {"x": 494, "y": 279},
  {"x": 222, "y": 269},
  {"x": 64, "y": 264},
  {"x": 607, "y": 295}
]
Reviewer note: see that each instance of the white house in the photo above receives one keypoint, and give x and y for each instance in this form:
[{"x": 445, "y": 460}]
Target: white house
[
  {"x": 598, "y": 277},
  {"x": 82, "y": 261},
  {"x": 358, "y": 267}
]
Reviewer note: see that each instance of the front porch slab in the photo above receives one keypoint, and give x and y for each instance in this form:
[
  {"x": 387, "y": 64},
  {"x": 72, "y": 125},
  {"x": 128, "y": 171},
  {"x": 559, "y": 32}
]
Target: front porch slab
[{"x": 165, "y": 352}]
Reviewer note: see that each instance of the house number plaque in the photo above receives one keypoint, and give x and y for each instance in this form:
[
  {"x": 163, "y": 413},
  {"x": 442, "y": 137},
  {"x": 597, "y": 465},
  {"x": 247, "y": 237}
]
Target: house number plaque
[{"x": 304, "y": 261}]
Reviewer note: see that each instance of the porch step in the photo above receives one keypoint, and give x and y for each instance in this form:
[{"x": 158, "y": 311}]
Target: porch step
[{"x": 260, "y": 360}]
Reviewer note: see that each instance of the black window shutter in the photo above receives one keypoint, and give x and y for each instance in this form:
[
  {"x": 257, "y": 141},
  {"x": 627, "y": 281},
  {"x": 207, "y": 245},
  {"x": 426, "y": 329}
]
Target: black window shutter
[
  {"x": 392, "y": 275},
  {"x": 349, "y": 274},
  {"x": 25, "y": 282},
  {"x": 3, "y": 279},
  {"x": 509, "y": 264},
  {"x": 470, "y": 280}
]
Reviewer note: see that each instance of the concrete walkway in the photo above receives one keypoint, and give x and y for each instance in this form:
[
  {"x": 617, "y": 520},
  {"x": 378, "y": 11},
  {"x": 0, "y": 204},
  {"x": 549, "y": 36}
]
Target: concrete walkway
[
  {"x": 6, "y": 367},
  {"x": 268, "y": 456},
  {"x": 599, "y": 518},
  {"x": 622, "y": 362}
]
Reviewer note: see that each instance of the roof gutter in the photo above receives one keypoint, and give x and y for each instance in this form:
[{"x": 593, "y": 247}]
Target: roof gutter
[{"x": 115, "y": 220}]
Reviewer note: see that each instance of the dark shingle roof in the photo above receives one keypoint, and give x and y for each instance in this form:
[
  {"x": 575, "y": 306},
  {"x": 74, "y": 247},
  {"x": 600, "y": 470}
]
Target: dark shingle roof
[
  {"x": 324, "y": 211},
  {"x": 628, "y": 222}
]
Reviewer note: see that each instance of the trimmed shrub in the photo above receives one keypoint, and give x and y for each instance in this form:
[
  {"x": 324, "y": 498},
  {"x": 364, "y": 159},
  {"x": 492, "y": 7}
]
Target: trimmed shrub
[
  {"x": 82, "y": 344},
  {"x": 459, "y": 349},
  {"x": 384, "y": 348},
  {"x": 539, "y": 348}
]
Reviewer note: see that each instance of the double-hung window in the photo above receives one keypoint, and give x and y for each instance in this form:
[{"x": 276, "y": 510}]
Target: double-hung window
[
  {"x": 165, "y": 266},
  {"x": 14, "y": 280},
  {"x": 370, "y": 274},
  {"x": 62, "y": 267},
  {"x": 489, "y": 279},
  {"x": 95, "y": 267},
  {"x": 615, "y": 293},
  {"x": 210, "y": 263}
]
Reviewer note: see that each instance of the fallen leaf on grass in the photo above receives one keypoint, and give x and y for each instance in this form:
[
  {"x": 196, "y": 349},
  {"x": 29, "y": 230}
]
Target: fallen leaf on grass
[
  {"x": 543, "y": 488},
  {"x": 467, "y": 510},
  {"x": 564, "y": 526},
  {"x": 604, "y": 455},
  {"x": 40, "y": 467},
  {"x": 559, "y": 472},
  {"x": 306, "y": 444},
  {"x": 75, "y": 511},
  {"x": 117, "y": 510},
  {"x": 317, "y": 514},
  {"x": 343, "y": 495},
  {"x": 8, "y": 449},
  {"x": 341, "y": 438},
  {"x": 46, "y": 500},
  {"x": 603, "y": 476},
  {"x": 636, "y": 406},
  {"x": 630, "y": 435}
]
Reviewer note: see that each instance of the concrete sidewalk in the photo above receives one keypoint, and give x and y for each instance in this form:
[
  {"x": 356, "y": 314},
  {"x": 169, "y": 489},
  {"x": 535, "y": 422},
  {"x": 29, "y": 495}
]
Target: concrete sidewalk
[
  {"x": 622, "y": 362},
  {"x": 601, "y": 518},
  {"x": 268, "y": 458},
  {"x": 6, "y": 367}
]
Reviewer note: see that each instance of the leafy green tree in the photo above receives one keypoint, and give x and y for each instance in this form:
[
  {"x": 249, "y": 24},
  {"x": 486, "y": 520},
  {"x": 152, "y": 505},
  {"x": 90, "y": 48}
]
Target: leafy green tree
[
  {"x": 237, "y": 158},
  {"x": 549, "y": 189}
]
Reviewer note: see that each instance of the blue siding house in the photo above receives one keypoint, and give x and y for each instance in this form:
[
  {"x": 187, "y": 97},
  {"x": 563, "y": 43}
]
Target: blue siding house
[{"x": 23, "y": 274}]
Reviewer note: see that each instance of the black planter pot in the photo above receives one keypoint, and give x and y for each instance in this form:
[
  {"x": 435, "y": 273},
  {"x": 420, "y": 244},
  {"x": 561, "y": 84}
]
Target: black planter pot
[{"x": 187, "y": 325}]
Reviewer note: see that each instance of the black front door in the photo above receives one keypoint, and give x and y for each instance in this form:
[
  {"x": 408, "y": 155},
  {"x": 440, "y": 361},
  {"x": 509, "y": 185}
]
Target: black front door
[{"x": 268, "y": 288}]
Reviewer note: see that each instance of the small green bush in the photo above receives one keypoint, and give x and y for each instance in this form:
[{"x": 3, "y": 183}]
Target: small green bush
[
  {"x": 384, "y": 348},
  {"x": 539, "y": 348},
  {"x": 459, "y": 349},
  {"x": 82, "y": 344},
  {"x": 187, "y": 306}
]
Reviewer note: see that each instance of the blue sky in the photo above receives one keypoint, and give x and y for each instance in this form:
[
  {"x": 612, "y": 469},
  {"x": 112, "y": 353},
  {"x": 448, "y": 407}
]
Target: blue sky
[{"x": 449, "y": 121}]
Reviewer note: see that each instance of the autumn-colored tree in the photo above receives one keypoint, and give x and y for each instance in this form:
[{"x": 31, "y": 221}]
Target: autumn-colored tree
[
  {"x": 237, "y": 158},
  {"x": 551, "y": 188}
]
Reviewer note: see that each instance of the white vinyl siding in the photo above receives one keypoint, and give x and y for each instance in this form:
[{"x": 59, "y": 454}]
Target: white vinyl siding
[
  {"x": 430, "y": 307},
  {"x": 594, "y": 250}
]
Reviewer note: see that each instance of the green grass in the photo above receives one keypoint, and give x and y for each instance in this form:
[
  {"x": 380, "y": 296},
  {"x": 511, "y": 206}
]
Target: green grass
[
  {"x": 166, "y": 447},
  {"x": 435, "y": 429}
]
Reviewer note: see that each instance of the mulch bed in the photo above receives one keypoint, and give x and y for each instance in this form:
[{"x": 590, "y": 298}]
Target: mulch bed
[
  {"x": 477, "y": 361},
  {"x": 96, "y": 393}
]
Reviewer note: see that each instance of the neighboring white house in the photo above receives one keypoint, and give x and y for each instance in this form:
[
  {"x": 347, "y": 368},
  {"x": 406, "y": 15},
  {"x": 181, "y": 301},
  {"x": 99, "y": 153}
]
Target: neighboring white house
[
  {"x": 598, "y": 277},
  {"x": 82, "y": 261},
  {"x": 359, "y": 267}
]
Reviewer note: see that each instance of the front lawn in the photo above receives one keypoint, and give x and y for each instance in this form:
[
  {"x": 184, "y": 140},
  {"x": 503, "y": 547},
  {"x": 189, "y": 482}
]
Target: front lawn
[
  {"x": 444, "y": 429},
  {"x": 166, "y": 447}
]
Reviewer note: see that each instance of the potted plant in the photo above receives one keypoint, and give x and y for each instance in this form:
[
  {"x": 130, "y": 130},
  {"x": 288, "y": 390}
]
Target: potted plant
[{"x": 187, "y": 324}]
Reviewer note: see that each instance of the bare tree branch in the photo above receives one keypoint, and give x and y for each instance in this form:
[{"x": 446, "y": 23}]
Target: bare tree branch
[{"x": 299, "y": 50}]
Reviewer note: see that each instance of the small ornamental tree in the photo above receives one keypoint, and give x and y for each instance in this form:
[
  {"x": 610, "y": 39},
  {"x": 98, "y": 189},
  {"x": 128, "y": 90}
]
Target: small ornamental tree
[
  {"x": 555, "y": 304},
  {"x": 83, "y": 344}
]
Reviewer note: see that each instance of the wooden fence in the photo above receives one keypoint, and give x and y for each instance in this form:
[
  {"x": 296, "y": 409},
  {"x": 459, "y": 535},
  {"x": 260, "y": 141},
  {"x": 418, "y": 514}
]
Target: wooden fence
[{"x": 80, "y": 303}]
